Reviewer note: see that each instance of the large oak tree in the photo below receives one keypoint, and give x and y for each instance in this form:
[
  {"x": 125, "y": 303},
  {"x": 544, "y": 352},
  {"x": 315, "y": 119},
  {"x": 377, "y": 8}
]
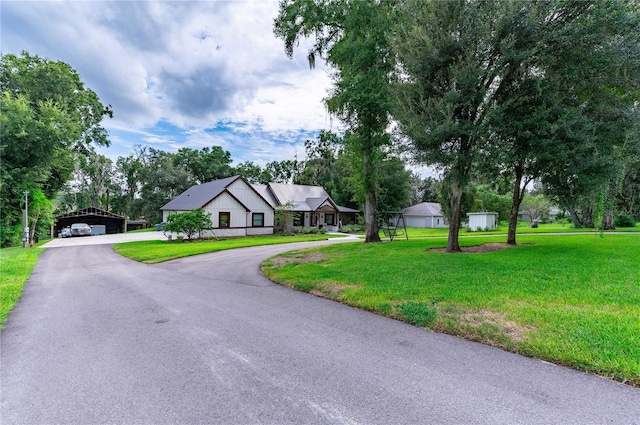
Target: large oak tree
[{"x": 48, "y": 115}]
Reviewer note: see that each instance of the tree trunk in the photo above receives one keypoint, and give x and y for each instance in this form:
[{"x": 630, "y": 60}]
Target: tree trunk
[
  {"x": 516, "y": 199},
  {"x": 587, "y": 217},
  {"x": 574, "y": 217},
  {"x": 370, "y": 201},
  {"x": 454, "y": 224},
  {"x": 608, "y": 221}
]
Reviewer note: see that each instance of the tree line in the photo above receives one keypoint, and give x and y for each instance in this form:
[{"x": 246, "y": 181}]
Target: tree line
[
  {"x": 543, "y": 90},
  {"x": 495, "y": 95}
]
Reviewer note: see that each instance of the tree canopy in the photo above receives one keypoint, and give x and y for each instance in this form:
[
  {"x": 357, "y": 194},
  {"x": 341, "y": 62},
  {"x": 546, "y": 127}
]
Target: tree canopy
[
  {"x": 48, "y": 116},
  {"x": 352, "y": 38}
]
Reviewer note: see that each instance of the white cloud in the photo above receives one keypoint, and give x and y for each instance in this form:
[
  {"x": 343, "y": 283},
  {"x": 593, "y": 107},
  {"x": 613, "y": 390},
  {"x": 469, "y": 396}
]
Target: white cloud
[{"x": 192, "y": 64}]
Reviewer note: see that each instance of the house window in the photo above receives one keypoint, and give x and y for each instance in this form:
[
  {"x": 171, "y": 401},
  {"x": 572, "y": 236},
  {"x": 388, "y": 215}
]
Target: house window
[
  {"x": 297, "y": 219},
  {"x": 258, "y": 219},
  {"x": 328, "y": 218},
  {"x": 224, "y": 219}
]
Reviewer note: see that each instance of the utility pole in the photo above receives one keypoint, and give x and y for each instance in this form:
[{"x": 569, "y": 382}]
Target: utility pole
[{"x": 25, "y": 236}]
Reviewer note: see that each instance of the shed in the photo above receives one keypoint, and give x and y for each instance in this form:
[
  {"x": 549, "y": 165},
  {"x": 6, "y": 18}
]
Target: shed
[
  {"x": 483, "y": 221},
  {"x": 113, "y": 223}
]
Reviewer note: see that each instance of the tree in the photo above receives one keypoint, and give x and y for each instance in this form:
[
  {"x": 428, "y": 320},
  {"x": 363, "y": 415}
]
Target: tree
[
  {"x": 351, "y": 37},
  {"x": 423, "y": 190},
  {"x": 190, "y": 223},
  {"x": 47, "y": 115},
  {"x": 206, "y": 164},
  {"x": 326, "y": 165},
  {"x": 161, "y": 180},
  {"x": 517, "y": 87},
  {"x": 487, "y": 199},
  {"x": 94, "y": 180},
  {"x": 565, "y": 115},
  {"x": 281, "y": 171},
  {"x": 395, "y": 185},
  {"x": 536, "y": 206},
  {"x": 450, "y": 69},
  {"x": 249, "y": 171}
]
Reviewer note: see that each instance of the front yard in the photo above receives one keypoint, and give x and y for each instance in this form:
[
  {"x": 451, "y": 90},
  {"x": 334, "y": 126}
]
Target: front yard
[{"x": 573, "y": 299}]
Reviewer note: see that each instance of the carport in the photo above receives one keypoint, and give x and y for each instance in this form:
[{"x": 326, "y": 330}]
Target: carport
[{"x": 92, "y": 216}]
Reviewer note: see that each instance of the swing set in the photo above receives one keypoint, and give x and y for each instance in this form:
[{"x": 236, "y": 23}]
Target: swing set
[{"x": 392, "y": 224}]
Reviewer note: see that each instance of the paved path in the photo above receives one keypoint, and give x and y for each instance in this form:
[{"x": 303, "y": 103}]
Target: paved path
[{"x": 100, "y": 339}]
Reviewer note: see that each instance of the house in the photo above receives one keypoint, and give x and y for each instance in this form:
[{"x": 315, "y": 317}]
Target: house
[
  {"x": 239, "y": 208},
  {"x": 483, "y": 221},
  {"x": 236, "y": 207},
  {"x": 312, "y": 205},
  {"x": 424, "y": 215}
]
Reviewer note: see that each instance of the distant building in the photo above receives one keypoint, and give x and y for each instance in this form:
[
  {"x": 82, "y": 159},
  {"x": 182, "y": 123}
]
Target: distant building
[
  {"x": 424, "y": 215},
  {"x": 483, "y": 221}
]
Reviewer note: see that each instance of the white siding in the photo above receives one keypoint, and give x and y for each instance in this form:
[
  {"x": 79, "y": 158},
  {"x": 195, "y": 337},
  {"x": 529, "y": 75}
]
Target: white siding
[
  {"x": 415, "y": 221},
  {"x": 482, "y": 221},
  {"x": 253, "y": 201},
  {"x": 226, "y": 203},
  {"x": 424, "y": 222}
]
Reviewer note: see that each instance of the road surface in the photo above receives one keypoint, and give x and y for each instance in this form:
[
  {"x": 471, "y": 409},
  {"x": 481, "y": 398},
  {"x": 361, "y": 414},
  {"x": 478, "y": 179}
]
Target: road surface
[{"x": 100, "y": 339}]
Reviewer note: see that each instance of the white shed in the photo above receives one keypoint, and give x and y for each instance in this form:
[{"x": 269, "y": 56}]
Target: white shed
[{"x": 483, "y": 221}]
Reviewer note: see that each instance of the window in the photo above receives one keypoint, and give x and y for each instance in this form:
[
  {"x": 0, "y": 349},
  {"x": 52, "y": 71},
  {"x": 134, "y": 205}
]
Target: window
[
  {"x": 329, "y": 219},
  {"x": 257, "y": 219},
  {"x": 223, "y": 219}
]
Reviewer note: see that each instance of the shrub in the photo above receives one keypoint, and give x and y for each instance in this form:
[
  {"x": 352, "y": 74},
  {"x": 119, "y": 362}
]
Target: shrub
[
  {"x": 190, "y": 223},
  {"x": 351, "y": 228},
  {"x": 419, "y": 314},
  {"x": 624, "y": 221}
]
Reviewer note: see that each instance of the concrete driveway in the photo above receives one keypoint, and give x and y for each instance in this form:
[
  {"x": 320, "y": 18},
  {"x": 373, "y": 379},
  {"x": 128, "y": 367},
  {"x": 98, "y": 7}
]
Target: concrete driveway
[
  {"x": 99, "y": 339},
  {"x": 104, "y": 239}
]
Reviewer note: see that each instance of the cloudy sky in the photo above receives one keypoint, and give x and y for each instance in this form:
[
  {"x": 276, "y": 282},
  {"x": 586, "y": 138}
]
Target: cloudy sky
[{"x": 182, "y": 73}]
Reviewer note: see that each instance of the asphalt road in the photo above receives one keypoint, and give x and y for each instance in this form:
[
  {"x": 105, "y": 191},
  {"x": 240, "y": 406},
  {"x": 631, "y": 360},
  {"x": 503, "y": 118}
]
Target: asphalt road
[{"x": 99, "y": 339}]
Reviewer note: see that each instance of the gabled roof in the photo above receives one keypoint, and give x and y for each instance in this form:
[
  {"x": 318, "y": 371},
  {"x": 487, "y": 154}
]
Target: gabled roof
[
  {"x": 200, "y": 195},
  {"x": 296, "y": 192},
  {"x": 303, "y": 197},
  {"x": 264, "y": 191},
  {"x": 347, "y": 210},
  {"x": 424, "y": 209},
  {"x": 91, "y": 211}
]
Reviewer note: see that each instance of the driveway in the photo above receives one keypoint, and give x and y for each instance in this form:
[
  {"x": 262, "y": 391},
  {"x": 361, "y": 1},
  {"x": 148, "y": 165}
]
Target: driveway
[
  {"x": 99, "y": 339},
  {"x": 105, "y": 239}
]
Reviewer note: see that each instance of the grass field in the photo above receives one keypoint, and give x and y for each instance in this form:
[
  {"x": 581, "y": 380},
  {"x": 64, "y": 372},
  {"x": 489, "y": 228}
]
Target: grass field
[
  {"x": 522, "y": 229},
  {"x": 158, "y": 251},
  {"x": 16, "y": 265},
  {"x": 572, "y": 300}
]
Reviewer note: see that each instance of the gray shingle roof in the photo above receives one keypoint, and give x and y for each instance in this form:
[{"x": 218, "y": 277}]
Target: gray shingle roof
[
  {"x": 264, "y": 191},
  {"x": 199, "y": 196},
  {"x": 425, "y": 209},
  {"x": 296, "y": 192},
  {"x": 303, "y": 197}
]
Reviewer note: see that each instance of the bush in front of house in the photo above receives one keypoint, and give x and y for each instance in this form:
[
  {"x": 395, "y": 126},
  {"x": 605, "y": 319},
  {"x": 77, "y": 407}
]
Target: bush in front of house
[
  {"x": 352, "y": 228},
  {"x": 189, "y": 223}
]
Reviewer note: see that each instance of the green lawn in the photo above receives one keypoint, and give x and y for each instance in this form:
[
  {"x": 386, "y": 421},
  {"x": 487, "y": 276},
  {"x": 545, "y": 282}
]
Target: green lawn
[
  {"x": 523, "y": 228},
  {"x": 151, "y": 252},
  {"x": 16, "y": 265},
  {"x": 572, "y": 300}
]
